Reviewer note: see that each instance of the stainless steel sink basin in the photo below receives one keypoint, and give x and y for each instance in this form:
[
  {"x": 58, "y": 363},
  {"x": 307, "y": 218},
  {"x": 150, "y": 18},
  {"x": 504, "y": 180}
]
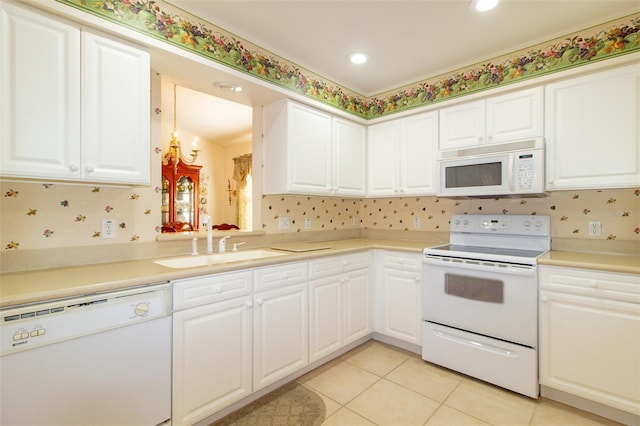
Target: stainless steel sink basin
[{"x": 216, "y": 258}]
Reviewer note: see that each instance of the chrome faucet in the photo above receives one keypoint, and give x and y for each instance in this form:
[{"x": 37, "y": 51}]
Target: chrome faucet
[
  {"x": 222, "y": 244},
  {"x": 206, "y": 222}
]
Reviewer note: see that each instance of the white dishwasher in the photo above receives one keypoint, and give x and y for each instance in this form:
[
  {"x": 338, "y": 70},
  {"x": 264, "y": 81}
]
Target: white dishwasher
[{"x": 101, "y": 359}]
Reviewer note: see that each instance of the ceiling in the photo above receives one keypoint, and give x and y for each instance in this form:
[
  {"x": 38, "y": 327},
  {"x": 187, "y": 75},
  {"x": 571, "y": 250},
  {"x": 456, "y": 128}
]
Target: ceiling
[{"x": 408, "y": 40}]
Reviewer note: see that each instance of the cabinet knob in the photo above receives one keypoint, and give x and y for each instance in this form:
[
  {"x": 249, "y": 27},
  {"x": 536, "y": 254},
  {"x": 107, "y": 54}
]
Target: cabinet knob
[
  {"x": 74, "y": 167},
  {"x": 259, "y": 302},
  {"x": 489, "y": 138},
  {"x": 417, "y": 278},
  {"x": 479, "y": 139},
  {"x": 218, "y": 289},
  {"x": 89, "y": 169},
  {"x": 249, "y": 304},
  {"x": 284, "y": 275}
]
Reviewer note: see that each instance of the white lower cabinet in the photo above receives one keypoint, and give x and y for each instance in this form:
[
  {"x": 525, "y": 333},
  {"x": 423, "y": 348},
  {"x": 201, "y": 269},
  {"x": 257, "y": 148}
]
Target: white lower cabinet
[
  {"x": 229, "y": 341},
  {"x": 398, "y": 295},
  {"x": 280, "y": 332},
  {"x": 212, "y": 358},
  {"x": 340, "y": 301},
  {"x": 212, "y": 344},
  {"x": 590, "y": 336}
]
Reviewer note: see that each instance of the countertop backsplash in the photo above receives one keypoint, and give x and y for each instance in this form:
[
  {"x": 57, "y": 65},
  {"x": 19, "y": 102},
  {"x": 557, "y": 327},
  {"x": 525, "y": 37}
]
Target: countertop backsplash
[{"x": 35, "y": 216}]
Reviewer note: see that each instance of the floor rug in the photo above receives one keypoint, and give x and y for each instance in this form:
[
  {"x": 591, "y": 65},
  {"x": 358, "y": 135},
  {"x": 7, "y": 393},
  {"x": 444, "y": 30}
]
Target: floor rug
[{"x": 290, "y": 405}]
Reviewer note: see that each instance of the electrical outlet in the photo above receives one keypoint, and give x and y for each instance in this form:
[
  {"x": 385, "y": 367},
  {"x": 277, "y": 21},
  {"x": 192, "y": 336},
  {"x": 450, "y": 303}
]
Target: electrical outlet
[
  {"x": 283, "y": 222},
  {"x": 595, "y": 228},
  {"x": 416, "y": 222},
  {"x": 108, "y": 228},
  {"x": 355, "y": 221},
  {"x": 307, "y": 223}
]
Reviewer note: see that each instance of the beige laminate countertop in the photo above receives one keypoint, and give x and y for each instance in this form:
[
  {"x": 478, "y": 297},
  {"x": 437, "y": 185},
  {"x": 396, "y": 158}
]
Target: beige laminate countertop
[
  {"x": 18, "y": 288},
  {"x": 595, "y": 261},
  {"x": 36, "y": 286}
]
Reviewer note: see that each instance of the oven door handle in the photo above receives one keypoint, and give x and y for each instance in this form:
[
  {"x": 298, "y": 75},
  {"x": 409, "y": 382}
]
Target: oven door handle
[
  {"x": 481, "y": 265},
  {"x": 476, "y": 345}
]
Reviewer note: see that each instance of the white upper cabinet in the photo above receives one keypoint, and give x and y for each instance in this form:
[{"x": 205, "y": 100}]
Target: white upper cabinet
[
  {"x": 401, "y": 156},
  {"x": 75, "y": 105},
  {"x": 462, "y": 125},
  {"x": 510, "y": 117},
  {"x": 592, "y": 132},
  {"x": 349, "y": 158},
  {"x": 115, "y": 111},
  {"x": 40, "y": 95},
  {"x": 307, "y": 151}
]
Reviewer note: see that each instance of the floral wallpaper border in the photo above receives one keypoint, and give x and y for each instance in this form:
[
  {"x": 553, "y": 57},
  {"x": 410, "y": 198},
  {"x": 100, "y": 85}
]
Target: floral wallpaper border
[{"x": 162, "y": 21}]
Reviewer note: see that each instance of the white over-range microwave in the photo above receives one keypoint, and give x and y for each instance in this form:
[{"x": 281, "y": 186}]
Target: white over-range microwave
[{"x": 507, "y": 169}]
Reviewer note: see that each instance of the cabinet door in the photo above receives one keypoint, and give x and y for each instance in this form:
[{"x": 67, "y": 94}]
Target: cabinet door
[
  {"x": 515, "y": 116},
  {"x": 40, "y": 95},
  {"x": 211, "y": 358},
  {"x": 356, "y": 290},
  {"x": 383, "y": 159},
  {"x": 325, "y": 316},
  {"x": 309, "y": 147},
  {"x": 115, "y": 111},
  {"x": 399, "y": 304},
  {"x": 419, "y": 142},
  {"x": 591, "y": 348},
  {"x": 462, "y": 125},
  {"x": 280, "y": 339},
  {"x": 349, "y": 158},
  {"x": 592, "y": 133}
]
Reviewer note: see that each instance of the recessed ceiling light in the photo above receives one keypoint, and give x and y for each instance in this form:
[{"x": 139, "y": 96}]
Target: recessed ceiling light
[
  {"x": 228, "y": 86},
  {"x": 483, "y": 5},
  {"x": 359, "y": 57}
]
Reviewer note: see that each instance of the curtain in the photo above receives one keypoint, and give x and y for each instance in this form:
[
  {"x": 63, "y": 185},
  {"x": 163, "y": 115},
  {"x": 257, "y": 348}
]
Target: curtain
[{"x": 242, "y": 176}]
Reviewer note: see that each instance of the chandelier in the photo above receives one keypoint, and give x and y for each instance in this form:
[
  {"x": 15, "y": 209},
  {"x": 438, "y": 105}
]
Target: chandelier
[{"x": 175, "y": 149}]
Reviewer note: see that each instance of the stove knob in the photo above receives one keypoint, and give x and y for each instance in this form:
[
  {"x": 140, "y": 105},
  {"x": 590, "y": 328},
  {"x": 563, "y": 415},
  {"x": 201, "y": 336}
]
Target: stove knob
[
  {"x": 527, "y": 224},
  {"x": 538, "y": 224},
  {"x": 141, "y": 309},
  {"x": 456, "y": 222},
  {"x": 465, "y": 222}
]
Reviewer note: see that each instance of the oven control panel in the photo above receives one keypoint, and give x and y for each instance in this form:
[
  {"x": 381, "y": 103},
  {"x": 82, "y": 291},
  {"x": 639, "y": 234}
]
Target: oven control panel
[{"x": 501, "y": 224}]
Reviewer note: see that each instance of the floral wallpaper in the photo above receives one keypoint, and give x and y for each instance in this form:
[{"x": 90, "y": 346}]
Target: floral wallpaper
[
  {"x": 618, "y": 210},
  {"x": 60, "y": 215},
  {"x": 162, "y": 21},
  {"x": 37, "y": 216}
]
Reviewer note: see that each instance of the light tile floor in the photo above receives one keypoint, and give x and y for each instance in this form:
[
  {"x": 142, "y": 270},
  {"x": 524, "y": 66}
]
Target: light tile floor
[{"x": 377, "y": 384}]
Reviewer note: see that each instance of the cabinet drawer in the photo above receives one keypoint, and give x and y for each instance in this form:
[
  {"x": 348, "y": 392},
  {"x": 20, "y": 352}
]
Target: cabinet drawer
[
  {"x": 602, "y": 285},
  {"x": 211, "y": 288},
  {"x": 408, "y": 262},
  {"x": 338, "y": 264},
  {"x": 280, "y": 276}
]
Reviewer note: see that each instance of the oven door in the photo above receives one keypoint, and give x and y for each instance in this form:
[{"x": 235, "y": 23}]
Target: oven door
[{"x": 488, "y": 298}]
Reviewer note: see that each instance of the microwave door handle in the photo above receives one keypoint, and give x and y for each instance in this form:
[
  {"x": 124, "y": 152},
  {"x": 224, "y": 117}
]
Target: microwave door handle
[{"x": 512, "y": 177}]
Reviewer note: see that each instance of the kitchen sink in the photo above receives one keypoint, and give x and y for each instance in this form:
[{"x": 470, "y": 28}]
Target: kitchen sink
[{"x": 217, "y": 258}]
